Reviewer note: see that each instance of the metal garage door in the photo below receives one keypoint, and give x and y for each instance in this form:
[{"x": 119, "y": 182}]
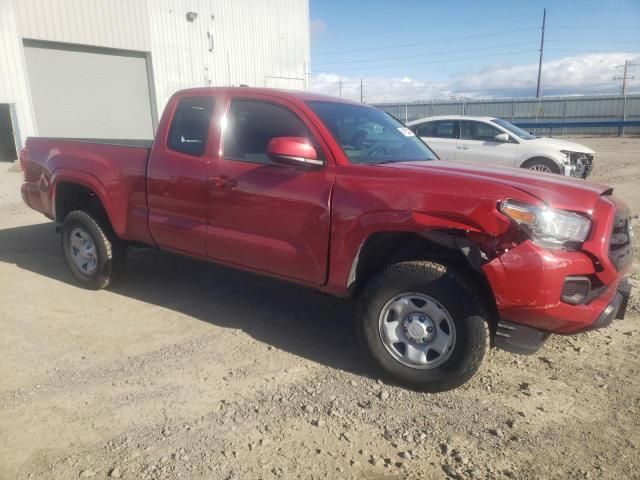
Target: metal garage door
[{"x": 88, "y": 92}]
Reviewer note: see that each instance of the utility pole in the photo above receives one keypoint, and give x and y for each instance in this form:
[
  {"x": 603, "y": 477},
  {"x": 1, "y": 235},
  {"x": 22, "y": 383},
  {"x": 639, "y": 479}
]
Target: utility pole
[
  {"x": 340, "y": 87},
  {"x": 624, "y": 76},
  {"x": 624, "y": 79},
  {"x": 544, "y": 21},
  {"x": 361, "y": 95}
]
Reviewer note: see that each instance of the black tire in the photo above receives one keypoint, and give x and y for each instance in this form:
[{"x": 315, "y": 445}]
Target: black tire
[
  {"x": 455, "y": 294},
  {"x": 111, "y": 251},
  {"x": 541, "y": 163}
]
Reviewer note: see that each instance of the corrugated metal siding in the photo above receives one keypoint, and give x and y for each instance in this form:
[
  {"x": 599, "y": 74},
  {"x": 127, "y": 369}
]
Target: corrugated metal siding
[
  {"x": 250, "y": 42},
  {"x": 13, "y": 77},
  {"x": 119, "y": 24},
  {"x": 254, "y": 42},
  {"x": 567, "y": 109}
]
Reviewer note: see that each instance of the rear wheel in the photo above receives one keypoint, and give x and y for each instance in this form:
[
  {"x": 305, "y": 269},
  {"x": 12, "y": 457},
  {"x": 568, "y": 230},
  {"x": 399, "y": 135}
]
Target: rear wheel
[
  {"x": 423, "y": 325},
  {"x": 94, "y": 255},
  {"x": 541, "y": 165}
]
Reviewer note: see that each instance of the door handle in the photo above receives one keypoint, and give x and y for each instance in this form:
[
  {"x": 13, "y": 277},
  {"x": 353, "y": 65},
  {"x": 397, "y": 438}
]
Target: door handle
[
  {"x": 222, "y": 181},
  {"x": 462, "y": 147}
]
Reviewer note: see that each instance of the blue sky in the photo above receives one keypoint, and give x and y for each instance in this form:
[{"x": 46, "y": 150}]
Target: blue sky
[{"x": 423, "y": 49}]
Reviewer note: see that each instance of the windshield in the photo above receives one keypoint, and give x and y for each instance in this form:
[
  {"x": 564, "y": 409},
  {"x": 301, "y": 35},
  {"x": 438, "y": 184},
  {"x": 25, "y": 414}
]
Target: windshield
[
  {"x": 370, "y": 136},
  {"x": 513, "y": 129}
]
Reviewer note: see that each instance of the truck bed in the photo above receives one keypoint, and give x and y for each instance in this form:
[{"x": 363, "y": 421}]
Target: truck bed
[
  {"x": 115, "y": 169},
  {"x": 122, "y": 142}
]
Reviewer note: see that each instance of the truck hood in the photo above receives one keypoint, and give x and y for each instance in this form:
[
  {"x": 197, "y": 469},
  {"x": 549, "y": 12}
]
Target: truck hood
[
  {"x": 554, "y": 190},
  {"x": 559, "y": 144}
]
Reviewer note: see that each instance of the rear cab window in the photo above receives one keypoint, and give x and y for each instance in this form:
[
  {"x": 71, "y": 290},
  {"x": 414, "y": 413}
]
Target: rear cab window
[{"x": 190, "y": 125}]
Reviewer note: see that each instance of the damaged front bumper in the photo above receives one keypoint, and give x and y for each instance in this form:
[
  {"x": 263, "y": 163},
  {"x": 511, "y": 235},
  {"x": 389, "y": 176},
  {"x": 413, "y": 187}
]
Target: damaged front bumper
[
  {"x": 578, "y": 165},
  {"x": 525, "y": 340}
]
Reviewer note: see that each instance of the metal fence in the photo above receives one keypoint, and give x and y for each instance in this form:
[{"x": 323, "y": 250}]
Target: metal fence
[{"x": 584, "y": 115}]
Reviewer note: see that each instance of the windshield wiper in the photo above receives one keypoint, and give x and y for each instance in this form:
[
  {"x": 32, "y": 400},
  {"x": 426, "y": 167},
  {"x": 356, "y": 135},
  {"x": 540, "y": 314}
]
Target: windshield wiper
[{"x": 382, "y": 162}]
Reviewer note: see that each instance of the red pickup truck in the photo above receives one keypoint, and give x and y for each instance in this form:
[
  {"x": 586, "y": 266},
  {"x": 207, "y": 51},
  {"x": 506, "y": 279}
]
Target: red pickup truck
[{"x": 343, "y": 198}]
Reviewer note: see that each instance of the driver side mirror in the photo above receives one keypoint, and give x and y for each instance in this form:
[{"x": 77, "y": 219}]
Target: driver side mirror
[
  {"x": 502, "y": 137},
  {"x": 293, "y": 152}
]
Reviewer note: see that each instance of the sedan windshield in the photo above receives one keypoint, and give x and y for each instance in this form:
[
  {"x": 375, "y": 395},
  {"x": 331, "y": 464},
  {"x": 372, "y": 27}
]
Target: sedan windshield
[
  {"x": 513, "y": 129},
  {"x": 370, "y": 136}
]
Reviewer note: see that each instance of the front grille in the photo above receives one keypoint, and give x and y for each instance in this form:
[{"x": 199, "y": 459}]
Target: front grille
[{"x": 620, "y": 250}]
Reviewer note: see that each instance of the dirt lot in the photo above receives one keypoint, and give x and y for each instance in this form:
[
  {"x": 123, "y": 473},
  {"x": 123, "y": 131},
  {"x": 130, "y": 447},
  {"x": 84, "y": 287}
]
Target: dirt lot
[{"x": 188, "y": 370}]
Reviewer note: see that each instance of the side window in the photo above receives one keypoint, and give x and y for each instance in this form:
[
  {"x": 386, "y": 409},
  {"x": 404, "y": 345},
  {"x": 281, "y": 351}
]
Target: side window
[
  {"x": 251, "y": 124},
  {"x": 190, "y": 125},
  {"x": 439, "y": 129},
  {"x": 479, "y": 131},
  {"x": 424, "y": 129}
]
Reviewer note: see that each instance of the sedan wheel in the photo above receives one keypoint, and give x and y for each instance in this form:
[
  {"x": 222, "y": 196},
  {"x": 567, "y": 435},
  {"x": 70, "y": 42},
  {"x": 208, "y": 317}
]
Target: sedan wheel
[{"x": 540, "y": 168}]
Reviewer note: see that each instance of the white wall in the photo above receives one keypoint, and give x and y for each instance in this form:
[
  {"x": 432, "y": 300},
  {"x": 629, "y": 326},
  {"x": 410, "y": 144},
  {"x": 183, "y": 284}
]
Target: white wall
[
  {"x": 254, "y": 42},
  {"x": 14, "y": 88},
  {"x": 261, "y": 43},
  {"x": 119, "y": 24}
]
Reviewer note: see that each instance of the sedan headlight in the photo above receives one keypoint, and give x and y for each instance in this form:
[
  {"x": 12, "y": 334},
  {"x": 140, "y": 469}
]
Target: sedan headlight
[
  {"x": 548, "y": 226},
  {"x": 574, "y": 157}
]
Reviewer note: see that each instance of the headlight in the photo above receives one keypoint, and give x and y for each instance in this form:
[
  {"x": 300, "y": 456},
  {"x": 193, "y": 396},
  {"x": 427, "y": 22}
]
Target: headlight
[
  {"x": 548, "y": 226},
  {"x": 573, "y": 157}
]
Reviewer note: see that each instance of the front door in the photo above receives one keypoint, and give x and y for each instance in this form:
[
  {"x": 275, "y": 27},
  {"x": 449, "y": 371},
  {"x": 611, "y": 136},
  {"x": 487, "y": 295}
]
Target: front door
[
  {"x": 478, "y": 144},
  {"x": 264, "y": 216}
]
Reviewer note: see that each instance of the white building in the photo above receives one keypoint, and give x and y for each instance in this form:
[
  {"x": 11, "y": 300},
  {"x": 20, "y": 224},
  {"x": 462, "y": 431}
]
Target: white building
[{"x": 106, "y": 68}]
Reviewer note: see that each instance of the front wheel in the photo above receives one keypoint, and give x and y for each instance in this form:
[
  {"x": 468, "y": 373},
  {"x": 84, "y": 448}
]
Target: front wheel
[
  {"x": 423, "y": 325},
  {"x": 94, "y": 255},
  {"x": 543, "y": 165}
]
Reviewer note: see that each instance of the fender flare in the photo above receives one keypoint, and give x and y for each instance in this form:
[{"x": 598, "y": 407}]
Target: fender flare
[
  {"x": 401, "y": 222},
  {"x": 91, "y": 182}
]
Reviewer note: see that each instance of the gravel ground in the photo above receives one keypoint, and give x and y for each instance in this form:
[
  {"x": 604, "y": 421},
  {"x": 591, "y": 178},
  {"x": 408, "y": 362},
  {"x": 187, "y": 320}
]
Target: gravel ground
[{"x": 189, "y": 370}]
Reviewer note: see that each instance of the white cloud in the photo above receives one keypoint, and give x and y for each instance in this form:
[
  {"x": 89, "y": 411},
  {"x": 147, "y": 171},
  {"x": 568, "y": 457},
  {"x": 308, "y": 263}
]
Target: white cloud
[
  {"x": 317, "y": 26},
  {"x": 376, "y": 89},
  {"x": 583, "y": 74}
]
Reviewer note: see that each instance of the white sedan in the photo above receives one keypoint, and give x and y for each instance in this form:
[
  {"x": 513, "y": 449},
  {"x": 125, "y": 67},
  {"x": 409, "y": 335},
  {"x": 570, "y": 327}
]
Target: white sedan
[{"x": 495, "y": 141}]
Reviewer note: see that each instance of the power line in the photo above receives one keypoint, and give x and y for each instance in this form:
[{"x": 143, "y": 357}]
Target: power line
[
  {"x": 485, "y": 35},
  {"x": 447, "y": 60},
  {"x": 620, "y": 42},
  {"x": 431, "y": 42},
  {"x": 423, "y": 54},
  {"x": 571, "y": 50},
  {"x": 432, "y": 54},
  {"x": 591, "y": 27}
]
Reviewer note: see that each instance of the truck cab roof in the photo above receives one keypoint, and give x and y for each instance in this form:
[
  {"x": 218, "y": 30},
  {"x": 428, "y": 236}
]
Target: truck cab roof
[{"x": 273, "y": 92}]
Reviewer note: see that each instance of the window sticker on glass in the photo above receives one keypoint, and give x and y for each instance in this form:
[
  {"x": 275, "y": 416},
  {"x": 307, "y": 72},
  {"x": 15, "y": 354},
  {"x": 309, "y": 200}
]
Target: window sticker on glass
[{"x": 406, "y": 132}]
